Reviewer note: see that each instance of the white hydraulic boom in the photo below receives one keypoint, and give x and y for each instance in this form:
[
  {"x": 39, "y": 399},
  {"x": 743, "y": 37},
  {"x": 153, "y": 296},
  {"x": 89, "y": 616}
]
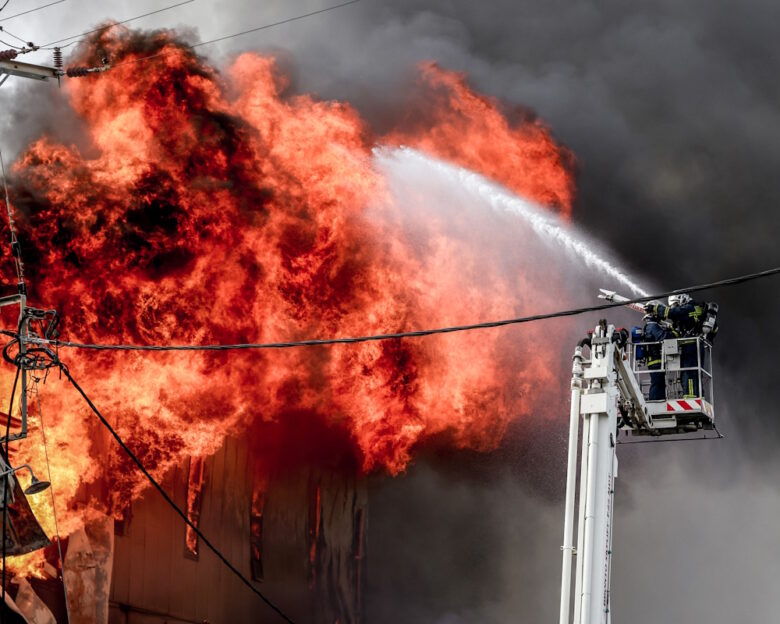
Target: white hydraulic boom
[{"x": 609, "y": 390}]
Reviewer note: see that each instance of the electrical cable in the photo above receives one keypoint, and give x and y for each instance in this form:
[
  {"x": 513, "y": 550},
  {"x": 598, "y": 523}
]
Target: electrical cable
[
  {"x": 5, "y": 5},
  {"x": 53, "y": 502},
  {"x": 6, "y": 481},
  {"x": 243, "y": 32},
  {"x": 8, "y": 32},
  {"x": 102, "y": 28},
  {"x": 16, "y": 251},
  {"x": 279, "y": 23},
  {"x": 733, "y": 281},
  {"x": 168, "y": 499},
  {"x": 44, "y": 6},
  {"x": 11, "y": 45}
]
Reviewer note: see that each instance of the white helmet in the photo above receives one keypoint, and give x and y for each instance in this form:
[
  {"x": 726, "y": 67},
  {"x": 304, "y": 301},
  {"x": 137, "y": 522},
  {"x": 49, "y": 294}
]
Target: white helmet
[{"x": 679, "y": 300}]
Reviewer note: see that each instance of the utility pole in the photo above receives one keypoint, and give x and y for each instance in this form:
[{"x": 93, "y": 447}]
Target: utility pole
[
  {"x": 21, "y": 532},
  {"x": 9, "y": 66}
]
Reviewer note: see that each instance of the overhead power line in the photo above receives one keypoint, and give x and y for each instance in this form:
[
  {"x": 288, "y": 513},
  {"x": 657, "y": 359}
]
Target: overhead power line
[
  {"x": 279, "y": 23},
  {"x": 11, "y": 45},
  {"x": 243, "y": 32},
  {"x": 168, "y": 499},
  {"x": 43, "y": 6},
  {"x": 732, "y": 281},
  {"x": 10, "y": 34},
  {"x": 109, "y": 26},
  {"x": 16, "y": 250}
]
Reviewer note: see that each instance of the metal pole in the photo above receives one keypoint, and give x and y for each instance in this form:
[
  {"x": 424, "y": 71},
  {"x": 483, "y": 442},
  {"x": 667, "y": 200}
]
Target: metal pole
[
  {"x": 590, "y": 517},
  {"x": 571, "y": 480},
  {"x": 581, "y": 521},
  {"x": 613, "y": 476},
  {"x": 698, "y": 363},
  {"x": 23, "y": 335}
]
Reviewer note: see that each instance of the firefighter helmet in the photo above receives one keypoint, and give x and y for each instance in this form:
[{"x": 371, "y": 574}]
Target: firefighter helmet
[{"x": 678, "y": 300}]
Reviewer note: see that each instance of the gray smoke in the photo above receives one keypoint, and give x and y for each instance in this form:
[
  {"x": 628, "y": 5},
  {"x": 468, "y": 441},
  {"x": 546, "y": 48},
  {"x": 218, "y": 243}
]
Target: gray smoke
[{"x": 671, "y": 109}]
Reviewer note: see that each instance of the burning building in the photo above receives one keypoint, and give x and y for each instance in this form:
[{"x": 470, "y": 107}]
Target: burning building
[
  {"x": 221, "y": 208},
  {"x": 298, "y": 535}
]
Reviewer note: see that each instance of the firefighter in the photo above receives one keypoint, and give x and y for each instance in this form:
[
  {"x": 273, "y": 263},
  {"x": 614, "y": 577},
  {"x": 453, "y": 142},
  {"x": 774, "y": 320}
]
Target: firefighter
[
  {"x": 689, "y": 319},
  {"x": 654, "y": 331}
]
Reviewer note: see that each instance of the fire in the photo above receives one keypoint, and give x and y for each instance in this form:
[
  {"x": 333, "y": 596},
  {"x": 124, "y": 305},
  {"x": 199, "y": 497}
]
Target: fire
[
  {"x": 225, "y": 209},
  {"x": 457, "y": 124}
]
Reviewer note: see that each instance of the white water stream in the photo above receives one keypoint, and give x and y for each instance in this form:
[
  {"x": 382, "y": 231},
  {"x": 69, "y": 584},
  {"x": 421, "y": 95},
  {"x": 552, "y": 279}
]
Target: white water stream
[{"x": 546, "y": 225}]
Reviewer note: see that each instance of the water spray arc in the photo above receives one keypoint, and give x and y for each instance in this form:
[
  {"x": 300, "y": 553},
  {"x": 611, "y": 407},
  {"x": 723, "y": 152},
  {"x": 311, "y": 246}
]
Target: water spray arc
[{"x": 546, "y": 225}]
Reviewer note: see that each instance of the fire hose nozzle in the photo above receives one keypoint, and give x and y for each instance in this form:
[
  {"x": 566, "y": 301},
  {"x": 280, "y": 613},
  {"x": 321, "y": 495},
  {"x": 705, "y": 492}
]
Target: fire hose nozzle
[{"x": 613, "y": 297}]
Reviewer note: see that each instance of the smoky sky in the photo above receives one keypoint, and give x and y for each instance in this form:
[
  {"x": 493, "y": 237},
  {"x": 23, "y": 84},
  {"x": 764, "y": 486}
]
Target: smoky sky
[{"x": 672, "y": 109}]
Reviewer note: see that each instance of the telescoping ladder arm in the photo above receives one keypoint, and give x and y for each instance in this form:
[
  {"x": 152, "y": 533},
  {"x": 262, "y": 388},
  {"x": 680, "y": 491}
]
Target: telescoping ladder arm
[
  {"x": 571, "y": 477},
  {"x": 608, "y": 393},
  {"x": 595, "y": 395}
]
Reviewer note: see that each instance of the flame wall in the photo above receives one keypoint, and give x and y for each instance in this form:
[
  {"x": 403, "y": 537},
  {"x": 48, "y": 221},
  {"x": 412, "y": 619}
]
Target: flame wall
[{"x": 220, "y": 208}]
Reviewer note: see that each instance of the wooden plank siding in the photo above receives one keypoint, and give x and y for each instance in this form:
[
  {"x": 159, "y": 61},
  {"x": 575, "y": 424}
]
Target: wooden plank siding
[{"x": 155, "y": 582}]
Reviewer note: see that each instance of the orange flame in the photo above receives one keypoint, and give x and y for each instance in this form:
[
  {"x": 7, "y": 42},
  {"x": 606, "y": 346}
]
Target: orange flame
[
  {"x": 469, "y": 129},
  {"x": 224, "y": 209}
]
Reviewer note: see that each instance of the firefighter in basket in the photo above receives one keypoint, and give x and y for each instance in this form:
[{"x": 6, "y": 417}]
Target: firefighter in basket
[
  {"x": 683, "y": 318},
  {"x": 654, "y": 331}
]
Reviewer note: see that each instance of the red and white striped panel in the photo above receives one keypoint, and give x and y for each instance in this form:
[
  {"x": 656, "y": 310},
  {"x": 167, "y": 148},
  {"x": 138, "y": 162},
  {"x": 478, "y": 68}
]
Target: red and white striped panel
[{"x": 684, "y": 405}]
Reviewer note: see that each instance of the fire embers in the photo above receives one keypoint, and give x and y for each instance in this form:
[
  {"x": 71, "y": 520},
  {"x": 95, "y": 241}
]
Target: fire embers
[{"x": 203, "y": 217}]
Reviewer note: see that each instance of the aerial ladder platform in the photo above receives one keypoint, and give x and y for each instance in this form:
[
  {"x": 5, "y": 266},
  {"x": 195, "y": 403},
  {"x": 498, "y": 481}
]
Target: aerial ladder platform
[{"x": 609, "y": 393}]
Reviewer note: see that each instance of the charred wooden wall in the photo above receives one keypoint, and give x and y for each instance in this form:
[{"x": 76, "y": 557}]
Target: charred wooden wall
[{"x": 308, "y": 553}]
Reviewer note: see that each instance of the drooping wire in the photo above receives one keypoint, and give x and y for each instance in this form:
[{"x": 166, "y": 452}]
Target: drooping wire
[
  {"x": 11, "y": 45},
  {"x": 125, "y": 21},
  {"x": 732, "y": 281},
  {"x": 53, "y": 502},
  {"x": 6, "y": 481},
  {"x": 16, "y": 250},
  {"x": 243, "y": 32},
  {"x": 44, "y": 6},
  {"x": 279, "y": 23},
  {"x": 5, "y": 5},
  {"x": 10, "y": 34},
  {"x": 168, "y": 499}
]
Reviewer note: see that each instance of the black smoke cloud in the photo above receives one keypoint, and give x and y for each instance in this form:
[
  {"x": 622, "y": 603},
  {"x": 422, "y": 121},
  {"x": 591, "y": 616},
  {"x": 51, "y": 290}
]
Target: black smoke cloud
[{"x": 671, "y": 109}]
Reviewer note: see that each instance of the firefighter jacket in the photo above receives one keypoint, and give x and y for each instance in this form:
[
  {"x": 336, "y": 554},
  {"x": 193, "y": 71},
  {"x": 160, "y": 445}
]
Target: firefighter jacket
[{"x": 686, "y": 319}]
